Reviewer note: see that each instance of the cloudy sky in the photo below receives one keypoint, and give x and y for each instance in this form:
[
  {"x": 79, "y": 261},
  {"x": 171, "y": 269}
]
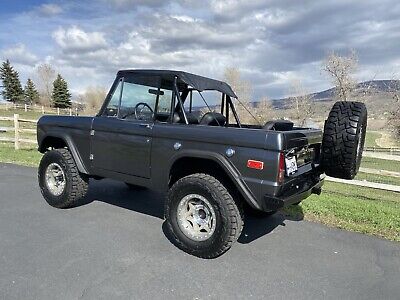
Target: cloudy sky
[{"x": 271, "y": 42}]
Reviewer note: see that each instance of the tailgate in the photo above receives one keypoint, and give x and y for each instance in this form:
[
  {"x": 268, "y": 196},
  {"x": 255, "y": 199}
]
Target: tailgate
[{"x": 302, "y": 150}]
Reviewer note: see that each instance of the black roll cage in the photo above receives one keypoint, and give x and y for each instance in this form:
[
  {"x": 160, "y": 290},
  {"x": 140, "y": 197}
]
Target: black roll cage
[{"x": 177, "y": 101}]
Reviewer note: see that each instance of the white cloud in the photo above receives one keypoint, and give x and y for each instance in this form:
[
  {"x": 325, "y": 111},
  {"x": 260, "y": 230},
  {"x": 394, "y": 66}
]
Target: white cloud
[
  {"x": 50, "y": 9},
  {"x": 19, "y": 54},
  {"x": 75, "y": 39}
]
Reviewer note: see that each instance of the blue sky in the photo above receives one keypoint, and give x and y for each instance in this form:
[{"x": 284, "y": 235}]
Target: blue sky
[{"x": 272, "y": 42}]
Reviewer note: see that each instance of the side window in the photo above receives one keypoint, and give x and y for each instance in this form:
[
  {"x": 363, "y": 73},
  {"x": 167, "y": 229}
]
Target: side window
[
  {"x": 198, "y": 108},
  {"x": 164, "y": 102},
  {"x": 137, "y": 102},
  {"x": 112, "y": 107}
]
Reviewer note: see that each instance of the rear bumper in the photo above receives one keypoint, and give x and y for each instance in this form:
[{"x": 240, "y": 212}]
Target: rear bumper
[{"x": 293, "y": 192}]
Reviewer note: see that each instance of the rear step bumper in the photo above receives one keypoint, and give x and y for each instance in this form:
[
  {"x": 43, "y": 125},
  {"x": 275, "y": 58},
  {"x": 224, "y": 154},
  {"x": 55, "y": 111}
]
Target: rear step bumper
[{"x": 308, "y": 188}]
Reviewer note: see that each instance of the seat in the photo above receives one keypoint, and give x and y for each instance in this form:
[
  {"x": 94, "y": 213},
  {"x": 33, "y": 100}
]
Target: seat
[
  {"x": 177, "y": 118},
  {"x": 278, "y": 125},
  {"x": 213, "y": 119}
]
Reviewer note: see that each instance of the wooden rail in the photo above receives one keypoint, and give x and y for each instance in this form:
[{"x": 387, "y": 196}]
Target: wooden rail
[
  {"x": 17, "y": 130},
  {"x": 374, "y": 185}
]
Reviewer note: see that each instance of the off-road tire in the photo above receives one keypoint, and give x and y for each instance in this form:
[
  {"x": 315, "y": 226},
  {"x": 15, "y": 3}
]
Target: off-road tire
[
  {"x": 229, "y": 215},
  {"x": 343, "y": 139},
  {"x": 76, "y": 185}
]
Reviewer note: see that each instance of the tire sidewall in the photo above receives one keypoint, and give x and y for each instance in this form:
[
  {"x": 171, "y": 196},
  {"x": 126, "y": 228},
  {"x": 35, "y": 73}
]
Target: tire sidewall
[
  {"x": 187, "y": 186},
  {"x": 361, "y": 129},
  {"x": 48, "y": 158}
]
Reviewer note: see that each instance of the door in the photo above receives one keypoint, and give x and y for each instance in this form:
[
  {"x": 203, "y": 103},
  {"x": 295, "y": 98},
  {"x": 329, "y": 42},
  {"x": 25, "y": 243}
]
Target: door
[{"x": 121, "y": 136}]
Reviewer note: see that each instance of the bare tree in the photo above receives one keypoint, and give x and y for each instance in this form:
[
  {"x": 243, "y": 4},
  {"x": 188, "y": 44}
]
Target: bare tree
[
  {"x": 394, "y": 117},
  {"x": 341, "y": 69},
  {"x": 93, "y": 98},
  {"x": 243, "y": 90},
  {"x": 264, "y": 110},
  {"x": 46, "y": 76},
  {"x": 301, "y": 102}
]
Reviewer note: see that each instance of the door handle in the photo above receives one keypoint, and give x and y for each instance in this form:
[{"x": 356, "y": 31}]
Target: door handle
[{"x": 149, "y": 126}]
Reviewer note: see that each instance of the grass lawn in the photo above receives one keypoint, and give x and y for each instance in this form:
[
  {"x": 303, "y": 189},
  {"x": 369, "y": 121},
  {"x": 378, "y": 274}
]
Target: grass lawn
[
  {"x": 370, "y": 139},
  {"x": 27, "y": 156},
  {"x": 357, "y": 209},
  {"x": 378, "y": 178},
  {"x": 352, "y": 208},
  {"x": 380, "y": 164}
]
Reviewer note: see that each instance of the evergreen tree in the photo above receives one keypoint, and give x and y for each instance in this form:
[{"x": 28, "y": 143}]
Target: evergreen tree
[
  {"x": 12, "y": 89},
  {"x": 31, "y": 93},
  {"x": 61, "y": 97}
]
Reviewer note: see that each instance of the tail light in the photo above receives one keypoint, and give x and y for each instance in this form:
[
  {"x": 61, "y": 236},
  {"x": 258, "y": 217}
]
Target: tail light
[{"x": 281, "y": 170}]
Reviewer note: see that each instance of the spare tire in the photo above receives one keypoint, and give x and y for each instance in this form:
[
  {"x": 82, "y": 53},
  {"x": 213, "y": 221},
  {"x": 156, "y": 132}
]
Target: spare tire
[{"x": 343, "y": 139}]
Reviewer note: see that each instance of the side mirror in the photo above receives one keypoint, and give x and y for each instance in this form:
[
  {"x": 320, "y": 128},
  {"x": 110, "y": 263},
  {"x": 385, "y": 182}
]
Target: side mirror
[{"x": 156, "y": 92}]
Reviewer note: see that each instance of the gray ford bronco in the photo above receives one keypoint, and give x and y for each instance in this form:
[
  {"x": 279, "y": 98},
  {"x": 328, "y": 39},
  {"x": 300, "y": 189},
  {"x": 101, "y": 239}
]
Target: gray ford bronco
[{"x": 180, "y": 134}]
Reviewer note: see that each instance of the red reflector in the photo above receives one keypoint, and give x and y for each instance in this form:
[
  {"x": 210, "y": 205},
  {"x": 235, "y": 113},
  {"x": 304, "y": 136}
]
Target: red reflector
[
  {"x": 255, "y": 164},
  {"x": 281, "y": 171}
]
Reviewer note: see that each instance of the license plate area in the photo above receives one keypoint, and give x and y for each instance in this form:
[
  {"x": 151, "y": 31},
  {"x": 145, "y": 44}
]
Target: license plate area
[{"x": 291, "y": 165}]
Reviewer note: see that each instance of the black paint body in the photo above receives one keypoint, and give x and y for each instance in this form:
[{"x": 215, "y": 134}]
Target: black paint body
[{"x": 143, "y": 153}]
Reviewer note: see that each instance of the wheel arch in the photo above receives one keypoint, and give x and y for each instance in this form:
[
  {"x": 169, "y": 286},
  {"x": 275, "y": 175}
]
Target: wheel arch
[
  {"x": 62, "y": 141},
  {"x": 215, "y": 165}
]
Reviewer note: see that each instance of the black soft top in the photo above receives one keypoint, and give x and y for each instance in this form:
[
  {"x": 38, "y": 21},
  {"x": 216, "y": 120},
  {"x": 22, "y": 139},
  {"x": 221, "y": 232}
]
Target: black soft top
[{"x": 185, "y": 79}]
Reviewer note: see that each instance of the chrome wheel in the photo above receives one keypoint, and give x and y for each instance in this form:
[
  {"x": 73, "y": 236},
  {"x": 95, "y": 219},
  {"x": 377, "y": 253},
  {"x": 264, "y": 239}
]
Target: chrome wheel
[
  {"x": 55, "y": 179},
  {"x": 196, "y": 217}
]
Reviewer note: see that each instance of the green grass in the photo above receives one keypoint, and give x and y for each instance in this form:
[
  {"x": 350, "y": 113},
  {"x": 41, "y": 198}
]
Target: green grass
[
  {"x": 378, "y": 178},
  {"x": 357, "y": 209},
  {"x": 370, "y": 139},
  {"x": 32, "y": 115},
  {"x": 380, "y": 164},
  {"x": 27, "y": 156}
]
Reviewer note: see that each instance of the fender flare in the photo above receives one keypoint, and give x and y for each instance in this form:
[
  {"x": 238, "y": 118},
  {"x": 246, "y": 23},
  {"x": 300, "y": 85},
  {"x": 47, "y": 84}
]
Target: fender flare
[
  {"x": 226, "y": 166},
  {"x": 71, "y": 146}
]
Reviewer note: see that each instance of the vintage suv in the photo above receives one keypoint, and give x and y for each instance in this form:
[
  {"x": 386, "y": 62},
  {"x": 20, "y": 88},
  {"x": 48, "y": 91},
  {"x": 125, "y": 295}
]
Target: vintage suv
[{"x": 150, "y": 132}]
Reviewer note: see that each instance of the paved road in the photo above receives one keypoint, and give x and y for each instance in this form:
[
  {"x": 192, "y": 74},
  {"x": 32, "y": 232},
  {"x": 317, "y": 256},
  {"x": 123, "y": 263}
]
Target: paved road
[{"x": 115, "y": 248}]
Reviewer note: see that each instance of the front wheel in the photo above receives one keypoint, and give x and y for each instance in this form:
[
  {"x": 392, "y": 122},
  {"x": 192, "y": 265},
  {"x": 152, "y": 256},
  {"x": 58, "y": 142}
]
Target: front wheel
[
  {"x": 60, "y": 182},
  {"x": 202, "y": 216}
]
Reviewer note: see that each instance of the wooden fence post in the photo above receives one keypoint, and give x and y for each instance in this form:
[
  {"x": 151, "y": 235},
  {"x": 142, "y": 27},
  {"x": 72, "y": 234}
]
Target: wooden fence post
[
  {"x": 42, "y": 110},
  {"x": 26, "y": 107},
  {"x": 70, "y": 111},
  {"x": 58, "y": 111},
  {"x": 16, "y": 132}
]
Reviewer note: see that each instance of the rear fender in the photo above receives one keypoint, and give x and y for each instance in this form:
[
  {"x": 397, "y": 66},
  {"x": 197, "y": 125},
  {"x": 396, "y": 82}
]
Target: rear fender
[{"x": 227, "y": 167}]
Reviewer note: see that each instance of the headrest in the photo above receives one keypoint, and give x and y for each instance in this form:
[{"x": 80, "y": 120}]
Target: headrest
[
  {"x": 278, "y": 125},
  {"x": 213, "y": 119}
]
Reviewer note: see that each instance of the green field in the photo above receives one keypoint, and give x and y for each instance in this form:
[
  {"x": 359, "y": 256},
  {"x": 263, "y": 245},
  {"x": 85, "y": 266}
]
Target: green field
[
  {"x": 378, "y": 178},
  {"x": 380, "y": 164},
  {"x": 370, "y": 139},
  {"x": 27, "y": 156},
  {"x": 357, "y": 209}
]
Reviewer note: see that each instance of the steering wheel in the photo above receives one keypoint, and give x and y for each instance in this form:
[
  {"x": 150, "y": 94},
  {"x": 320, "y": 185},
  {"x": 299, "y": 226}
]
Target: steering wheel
[{"x": 138, "y": 112}]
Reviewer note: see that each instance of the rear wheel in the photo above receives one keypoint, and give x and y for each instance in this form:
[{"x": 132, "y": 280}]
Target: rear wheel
[
  {"x": 202, "y": 216},
  {"x": 60, "y": 182},
  {"x": 343, "y": 139}
]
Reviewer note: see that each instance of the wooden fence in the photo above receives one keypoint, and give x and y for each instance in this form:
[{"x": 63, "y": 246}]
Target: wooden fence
[
  {"x": 40, "y": 108},
  {"x": 390, "y": 150},
  {"x": 17, "y": 130}
]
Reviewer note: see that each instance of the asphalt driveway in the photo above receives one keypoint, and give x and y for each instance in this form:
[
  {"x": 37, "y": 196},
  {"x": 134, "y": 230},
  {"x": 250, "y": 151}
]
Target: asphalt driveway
[{"x": 115, "y": 248}]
